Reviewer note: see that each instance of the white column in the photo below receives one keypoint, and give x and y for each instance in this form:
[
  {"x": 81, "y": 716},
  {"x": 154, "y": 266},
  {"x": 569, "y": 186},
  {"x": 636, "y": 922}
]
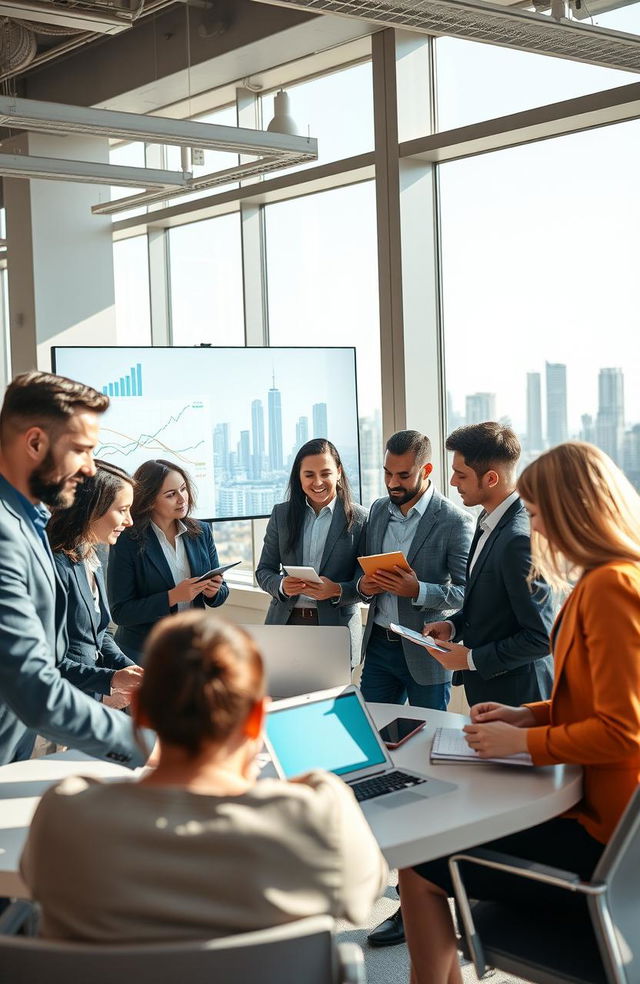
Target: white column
[{"x": 61, "y": 289}]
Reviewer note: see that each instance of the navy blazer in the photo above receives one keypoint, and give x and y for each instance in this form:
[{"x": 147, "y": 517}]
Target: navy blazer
[
  {"x": 139, "y": 580},
  {"x": 505, "y": 620},
  {"x": 339, "y": 563},
  {"x": 34, "y": 695},
  {"x": 90, "y": 644}
]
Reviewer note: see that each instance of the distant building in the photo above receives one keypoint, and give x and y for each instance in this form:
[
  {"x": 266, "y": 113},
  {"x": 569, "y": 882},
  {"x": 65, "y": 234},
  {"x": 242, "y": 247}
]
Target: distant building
[
  {"x": 221, "y": 459},
  {"x": 534, "y": 440},
  {"x": 587, "y": 430},
  {"x": 276, "y": 458},
  {"x": 480, "y": 407},
  {"x": 557, "y": 426},
  {"x": 320, "y": 428},
  {"x": 244, "y": 453},
  {"x": 371, "y": 458},
  {"x": 631, "y": 451},
  {"x": 257, "y": 438},
  {"x": 610, "y": 418},
  {"x": 302, "y": 432}
]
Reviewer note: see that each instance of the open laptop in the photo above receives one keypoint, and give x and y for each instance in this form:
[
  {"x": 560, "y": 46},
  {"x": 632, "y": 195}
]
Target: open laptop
[
  {"x": 332, "y": 730},
  {"x": 300, "y": 659}
]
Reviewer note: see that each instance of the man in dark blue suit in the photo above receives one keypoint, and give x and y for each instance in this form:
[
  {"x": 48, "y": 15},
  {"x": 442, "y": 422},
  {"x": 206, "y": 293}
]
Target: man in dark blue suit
[
  {"x": 48, "y": 430},
  {"x": 506, "y": 619}
]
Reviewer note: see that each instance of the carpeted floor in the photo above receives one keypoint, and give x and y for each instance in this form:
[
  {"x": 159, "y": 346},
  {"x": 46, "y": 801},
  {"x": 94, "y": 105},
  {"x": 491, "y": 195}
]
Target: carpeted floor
[{"x": 390, "y": 964}]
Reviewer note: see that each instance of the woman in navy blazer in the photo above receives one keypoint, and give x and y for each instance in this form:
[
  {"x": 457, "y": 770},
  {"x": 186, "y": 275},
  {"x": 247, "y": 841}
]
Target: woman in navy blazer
[
  {"x": 154, "y": 568},
  {"x": 99, "y": 514}
]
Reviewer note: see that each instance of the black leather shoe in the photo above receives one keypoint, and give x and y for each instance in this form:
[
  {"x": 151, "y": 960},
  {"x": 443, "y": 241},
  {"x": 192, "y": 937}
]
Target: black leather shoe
[{"x": 388, "y": 933}]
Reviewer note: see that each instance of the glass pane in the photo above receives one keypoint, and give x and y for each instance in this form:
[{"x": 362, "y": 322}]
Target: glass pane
[
  {"x": 541, "y": 293},
  {"x": 482, "y": 81},
  {"x": 234, "y": 542},
  {"x": 206, "y": 282},
  {"x": 336, "y": 109},
  {"x": 214, "y": 160},
  {"x": 131, "y": 281},
  {"x": 322, "y": 281}
]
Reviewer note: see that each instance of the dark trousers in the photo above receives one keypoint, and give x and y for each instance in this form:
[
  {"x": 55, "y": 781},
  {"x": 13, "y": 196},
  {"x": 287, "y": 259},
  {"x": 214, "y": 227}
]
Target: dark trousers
[{"x": 386, "y": 678}]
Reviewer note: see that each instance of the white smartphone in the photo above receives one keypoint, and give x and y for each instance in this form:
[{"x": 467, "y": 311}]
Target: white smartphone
[{"x": 427, "y": 641}]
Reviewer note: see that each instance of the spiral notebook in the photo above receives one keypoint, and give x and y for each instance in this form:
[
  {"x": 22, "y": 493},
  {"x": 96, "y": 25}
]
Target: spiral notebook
[{"x": 449, "y": 745}]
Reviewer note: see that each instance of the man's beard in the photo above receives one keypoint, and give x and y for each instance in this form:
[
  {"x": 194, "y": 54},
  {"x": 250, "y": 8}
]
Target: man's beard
[
  {"x": 399, "y": 500},
  {"x": 44, "y": 490}
]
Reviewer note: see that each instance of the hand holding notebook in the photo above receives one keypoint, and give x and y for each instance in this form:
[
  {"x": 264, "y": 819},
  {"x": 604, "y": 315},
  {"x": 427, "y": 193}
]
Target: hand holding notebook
[{"x": 450, "y": 745}]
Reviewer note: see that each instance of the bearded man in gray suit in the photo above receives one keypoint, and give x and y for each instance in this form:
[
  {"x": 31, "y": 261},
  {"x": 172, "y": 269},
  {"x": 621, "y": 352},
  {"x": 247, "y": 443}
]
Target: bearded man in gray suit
[{"x": 435, "y": 537}]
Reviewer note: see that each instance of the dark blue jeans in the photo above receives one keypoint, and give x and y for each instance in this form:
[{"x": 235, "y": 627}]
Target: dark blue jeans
[{"x": 386, "y": 678}]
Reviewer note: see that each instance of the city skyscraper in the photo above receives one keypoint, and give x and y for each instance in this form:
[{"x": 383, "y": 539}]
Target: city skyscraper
[
  {"x": 244, "y": 452},
  {"x": 557, "y": 427},
  {"x": 610, "y": 418},
  {"x": 534, "y": 412},
  {"x": 480, "y": 407},
  {"x": 257, "y": 437},
  {"x": 221, "y": 447},
  {"x": 276, "y": 460},
  {"x": 302, "y": 432},
  {"x": 320, "y": 428}
]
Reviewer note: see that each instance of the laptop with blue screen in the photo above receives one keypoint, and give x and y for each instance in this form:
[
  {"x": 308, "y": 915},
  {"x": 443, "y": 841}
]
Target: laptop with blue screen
[{"x": 333, "y": 730}]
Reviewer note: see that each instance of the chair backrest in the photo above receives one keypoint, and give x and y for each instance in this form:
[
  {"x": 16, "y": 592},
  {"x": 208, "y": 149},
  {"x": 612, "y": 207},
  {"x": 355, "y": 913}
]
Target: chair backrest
[
  {"x": 619, "y": 869},
  {"x": 303, "y": 950},
  {"x": 300, "y": 659}
]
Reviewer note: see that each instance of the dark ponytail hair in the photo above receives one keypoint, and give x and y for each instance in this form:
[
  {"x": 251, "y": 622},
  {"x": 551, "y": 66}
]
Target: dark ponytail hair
[
  {"x": 69, "y": 529},
  {"x": 296, "y": 496},
  {"x": 202, "y": 678}
]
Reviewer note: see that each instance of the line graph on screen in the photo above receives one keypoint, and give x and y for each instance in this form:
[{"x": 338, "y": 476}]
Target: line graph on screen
[{"x": 175, "y": 430}]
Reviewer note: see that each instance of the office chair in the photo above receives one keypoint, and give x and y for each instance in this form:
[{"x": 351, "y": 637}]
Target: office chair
[
  {"x": 600, "y": 948},
  {"x": 304, "y": 950}
]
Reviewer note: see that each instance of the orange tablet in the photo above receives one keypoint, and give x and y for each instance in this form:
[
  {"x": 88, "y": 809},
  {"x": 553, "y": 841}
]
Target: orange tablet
[{"x": 384, "y": 562}]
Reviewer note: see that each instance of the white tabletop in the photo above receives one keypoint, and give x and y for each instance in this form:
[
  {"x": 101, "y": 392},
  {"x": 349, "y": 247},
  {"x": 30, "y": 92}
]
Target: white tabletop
[{"x": 489, "y": 800}]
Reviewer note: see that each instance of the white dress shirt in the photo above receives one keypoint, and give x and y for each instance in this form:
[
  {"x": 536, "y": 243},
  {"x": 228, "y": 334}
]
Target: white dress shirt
[
  {"x": 176, "y": 557},
  {"x": 314, "y": 538},
  {"x": 399, "y": 535}
]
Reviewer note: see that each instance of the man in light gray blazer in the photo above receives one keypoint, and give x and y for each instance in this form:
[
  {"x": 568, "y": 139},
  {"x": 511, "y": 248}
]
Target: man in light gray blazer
[
  {"x": 435, "y": 537},
  {"x": 48, "y": 430}
]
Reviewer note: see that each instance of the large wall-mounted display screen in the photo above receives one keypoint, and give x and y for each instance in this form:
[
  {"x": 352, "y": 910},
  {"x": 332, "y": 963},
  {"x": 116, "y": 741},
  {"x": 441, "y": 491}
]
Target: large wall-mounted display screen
[{"x": 232, "y": 417}]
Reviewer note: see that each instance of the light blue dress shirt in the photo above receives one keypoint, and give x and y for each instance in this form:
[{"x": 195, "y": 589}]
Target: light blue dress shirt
[
  {"x": 314, "y": 537},
  {"x": 399, "y": 535}
]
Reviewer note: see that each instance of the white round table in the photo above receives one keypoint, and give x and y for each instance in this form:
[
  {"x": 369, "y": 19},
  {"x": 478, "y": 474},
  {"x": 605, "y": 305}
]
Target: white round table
[{"x": 489, "y": 801}]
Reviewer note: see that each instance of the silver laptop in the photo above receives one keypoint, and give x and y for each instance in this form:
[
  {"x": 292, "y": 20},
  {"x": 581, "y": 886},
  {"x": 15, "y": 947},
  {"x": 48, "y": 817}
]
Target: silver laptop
[
  {"x": 333, "y": 730},
  {"x": 299, "y": 659}
]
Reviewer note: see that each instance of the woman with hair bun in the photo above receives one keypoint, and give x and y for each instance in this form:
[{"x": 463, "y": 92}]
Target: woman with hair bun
[
  {"x": 198, "y": 848},
  {"x": 585, "y": 525}
]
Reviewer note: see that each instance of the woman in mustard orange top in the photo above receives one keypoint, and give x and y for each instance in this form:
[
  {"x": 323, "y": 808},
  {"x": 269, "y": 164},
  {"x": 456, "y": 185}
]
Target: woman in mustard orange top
[{"x": 585, "y": 523}]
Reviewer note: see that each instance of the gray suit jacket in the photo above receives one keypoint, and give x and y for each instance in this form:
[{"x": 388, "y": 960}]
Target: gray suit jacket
[
  {"x": 339, "y": 563},
  {"x": 34, "y": 696},
  {"x": 438, "y": 555}
]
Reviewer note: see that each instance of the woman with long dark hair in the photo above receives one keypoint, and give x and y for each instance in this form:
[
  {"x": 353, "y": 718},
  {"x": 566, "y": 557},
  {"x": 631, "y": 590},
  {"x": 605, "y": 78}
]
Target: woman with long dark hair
[
  {"x": 319, "y": 526},
  {"x": 99, "y": 515},
  {"x": 585, "y": 525},
  {"x": 155, "y": 568},
  {"x": 198, "y": 848}
]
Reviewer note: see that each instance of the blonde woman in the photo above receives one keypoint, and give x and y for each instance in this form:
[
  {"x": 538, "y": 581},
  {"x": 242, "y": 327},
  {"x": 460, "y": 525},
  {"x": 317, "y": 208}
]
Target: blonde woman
[{"x": 585, "y": 522}]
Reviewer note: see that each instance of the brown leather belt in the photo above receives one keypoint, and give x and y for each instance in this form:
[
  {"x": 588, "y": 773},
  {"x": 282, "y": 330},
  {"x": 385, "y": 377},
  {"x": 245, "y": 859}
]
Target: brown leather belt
[{"x": 305, "y": 615}]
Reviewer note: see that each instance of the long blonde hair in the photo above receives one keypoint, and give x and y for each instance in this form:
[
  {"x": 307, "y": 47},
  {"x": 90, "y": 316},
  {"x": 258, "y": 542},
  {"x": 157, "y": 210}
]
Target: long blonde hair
[{"x": 591, "y": 512}]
